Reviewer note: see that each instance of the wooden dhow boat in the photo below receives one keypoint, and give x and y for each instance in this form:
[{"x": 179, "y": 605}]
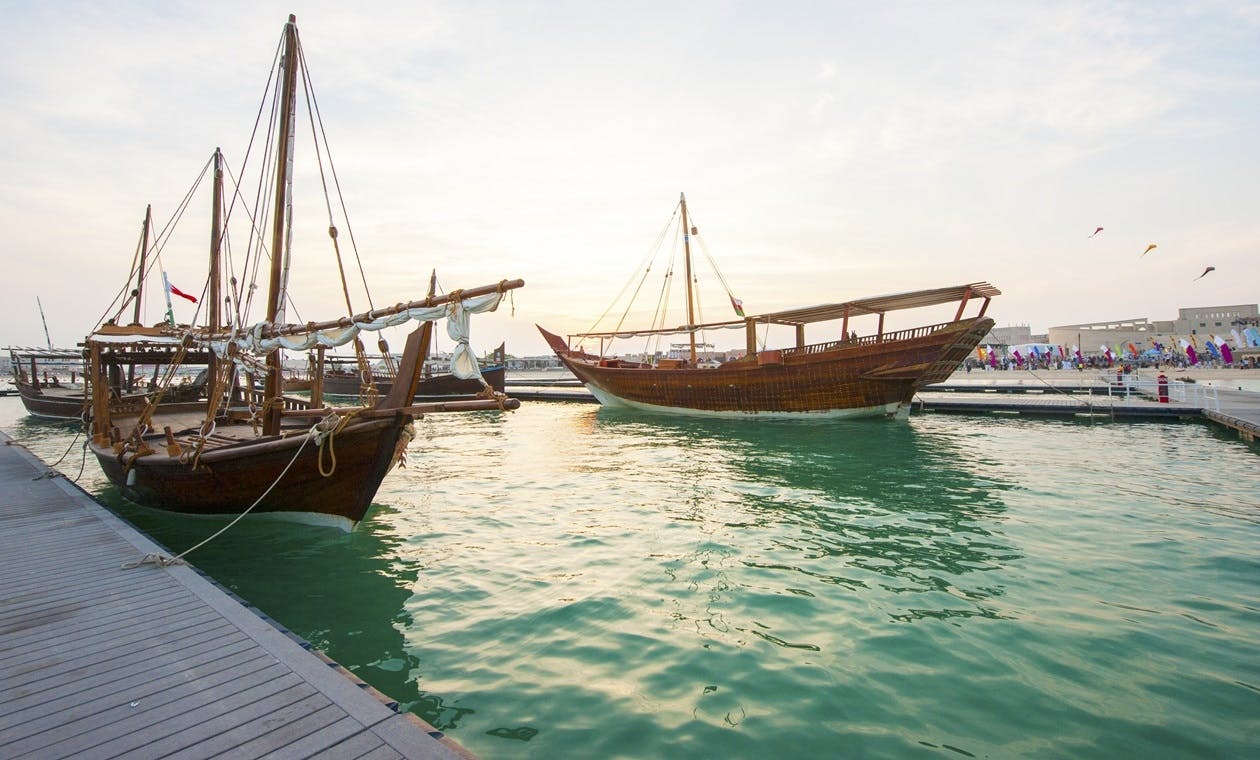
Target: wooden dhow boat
[
  {"x": 50, "y": 382},
  {"x": 39, "y": 374},
  {"x": 251, "y": 448},
  {"x": 845, "y": 375},
  {"x": 345, "y": 379}
]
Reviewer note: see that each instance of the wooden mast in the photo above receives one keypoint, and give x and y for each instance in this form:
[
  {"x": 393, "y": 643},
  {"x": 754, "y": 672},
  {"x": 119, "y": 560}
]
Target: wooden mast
[
  {"x": 144, "y": 249},
  {"x": 216, "y": 242},
  {"x": 691, "y": 310},
  {"x": 284, "y": 159}
]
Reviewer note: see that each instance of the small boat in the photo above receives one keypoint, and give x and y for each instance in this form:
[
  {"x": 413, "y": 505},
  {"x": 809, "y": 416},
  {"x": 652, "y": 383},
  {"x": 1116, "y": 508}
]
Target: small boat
[
  {"x": 50, "y": 382},
  {"x": 246, "y": 446},
  {"x": 843, "y": 375},
  {"x": 342, "y": 377}
]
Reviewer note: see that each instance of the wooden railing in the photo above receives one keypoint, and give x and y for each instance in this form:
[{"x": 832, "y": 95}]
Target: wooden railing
[
  {"x": 290, "y": 403},
  {"x": 866, "y": 340}
]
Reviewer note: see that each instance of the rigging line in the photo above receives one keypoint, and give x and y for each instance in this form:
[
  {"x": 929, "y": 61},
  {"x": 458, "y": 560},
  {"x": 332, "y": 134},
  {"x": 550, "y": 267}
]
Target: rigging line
[
  {"x": 654, "y": 252},
  {"x": 253, "y": 134},
  {"x": 242, "y": 289},
  {"x": 662, "y": 302},
  {"x": 135, "y": 266},
  {"x": 262, "y": 200},
  {"x": 158, "y": 240},
  {"x": 226, "y": 240},
  {"x": 647, "y": 260},
  {"x": 162, "y": 561},
  {"x": 313, "y": 108},
  {"x": 319, "y": 161},
  {"x": 704, "y": 248}
]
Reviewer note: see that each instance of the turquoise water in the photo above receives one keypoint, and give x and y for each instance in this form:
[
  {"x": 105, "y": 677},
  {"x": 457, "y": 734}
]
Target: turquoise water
[{"x": 568, "y": 582}]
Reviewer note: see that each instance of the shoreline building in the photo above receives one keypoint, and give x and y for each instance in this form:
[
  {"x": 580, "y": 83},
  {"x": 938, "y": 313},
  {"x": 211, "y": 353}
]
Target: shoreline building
[{"x": 1193, "y": 324}]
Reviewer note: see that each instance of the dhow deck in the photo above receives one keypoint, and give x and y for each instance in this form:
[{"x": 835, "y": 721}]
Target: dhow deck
[{"x": 101, "y": 661}]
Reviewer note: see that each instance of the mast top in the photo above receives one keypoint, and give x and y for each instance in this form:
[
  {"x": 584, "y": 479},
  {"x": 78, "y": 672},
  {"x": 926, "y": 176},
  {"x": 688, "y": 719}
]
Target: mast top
[{"x": 292, "y": 18}]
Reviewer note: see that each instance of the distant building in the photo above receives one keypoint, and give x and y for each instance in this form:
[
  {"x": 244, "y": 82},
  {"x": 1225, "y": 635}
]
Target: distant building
[
  {"x": 549, "y": 361},
  {"x": 1201, "y": 322},
  {"x": 1011, "y": 335}
]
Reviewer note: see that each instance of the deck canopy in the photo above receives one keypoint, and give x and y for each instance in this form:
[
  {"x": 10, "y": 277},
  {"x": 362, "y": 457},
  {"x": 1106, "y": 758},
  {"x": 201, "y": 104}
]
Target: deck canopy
[
  {"x": 57, "y": 354},
  {"x": 827, "y": 312}
]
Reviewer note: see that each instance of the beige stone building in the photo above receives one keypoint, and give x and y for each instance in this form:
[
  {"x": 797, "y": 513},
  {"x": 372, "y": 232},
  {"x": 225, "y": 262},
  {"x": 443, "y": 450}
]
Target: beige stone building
[{"x": 1201, "y": 322}]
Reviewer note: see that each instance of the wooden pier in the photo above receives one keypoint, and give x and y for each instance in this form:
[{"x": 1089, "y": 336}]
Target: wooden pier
[
  {"x": 103, "y": 658},
  {"x": 1237, "y": 410}
]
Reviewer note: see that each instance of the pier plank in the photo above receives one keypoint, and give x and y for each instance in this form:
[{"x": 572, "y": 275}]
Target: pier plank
[{"x": 99, "y": 660}]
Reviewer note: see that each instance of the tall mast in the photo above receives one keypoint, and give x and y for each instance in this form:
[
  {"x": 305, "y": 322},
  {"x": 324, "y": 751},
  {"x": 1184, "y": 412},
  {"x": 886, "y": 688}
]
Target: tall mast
[
  {"x": 691, "y": 309},
  {"x": 284, "y": 166},
  {"x": 139, "y": 292},
  {"x": 216, "y": 241},
  {"x": 144, "y": 249},
  {"x": 47, "y": 337}
]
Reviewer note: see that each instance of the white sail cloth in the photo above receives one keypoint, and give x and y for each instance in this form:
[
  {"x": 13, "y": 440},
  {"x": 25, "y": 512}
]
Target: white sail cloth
[{"x": 457, "y": 314}]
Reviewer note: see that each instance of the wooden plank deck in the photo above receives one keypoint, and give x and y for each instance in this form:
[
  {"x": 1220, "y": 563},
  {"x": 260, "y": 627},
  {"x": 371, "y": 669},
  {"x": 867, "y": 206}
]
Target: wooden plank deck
[{"x": 101, "y": 661}]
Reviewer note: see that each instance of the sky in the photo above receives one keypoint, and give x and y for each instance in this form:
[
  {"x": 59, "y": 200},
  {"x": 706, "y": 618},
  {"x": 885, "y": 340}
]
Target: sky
[{"x": 828, "y": 150}]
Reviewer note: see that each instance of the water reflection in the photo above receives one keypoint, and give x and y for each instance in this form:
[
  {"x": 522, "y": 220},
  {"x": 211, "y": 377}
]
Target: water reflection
[
  {"x": 861, "y": 506},
  {"x": 345, "y": 593}
]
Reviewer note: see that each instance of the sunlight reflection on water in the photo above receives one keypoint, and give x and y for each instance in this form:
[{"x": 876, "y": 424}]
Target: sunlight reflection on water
[{"x": 565, "y": 581}]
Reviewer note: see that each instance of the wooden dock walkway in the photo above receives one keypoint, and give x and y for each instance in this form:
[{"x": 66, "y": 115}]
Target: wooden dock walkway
[
  {"x": 1237, "y": 410},
  {"x": 101, "y": 661}
]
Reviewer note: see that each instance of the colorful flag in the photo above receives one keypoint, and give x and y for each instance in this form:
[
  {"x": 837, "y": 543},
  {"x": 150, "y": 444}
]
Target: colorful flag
[
  {"x": 176, "y": 291},
  {"x": 1227, "y": 355},
  {"x": 738, "y": 305}
]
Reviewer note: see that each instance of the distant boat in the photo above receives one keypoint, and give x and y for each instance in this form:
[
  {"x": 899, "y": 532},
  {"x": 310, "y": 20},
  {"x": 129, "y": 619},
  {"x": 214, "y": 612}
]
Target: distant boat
[
  {"x": 844, "y": 376},
  {"x": 38, "y": 376},
  {"x": 250, "y": 448},
  {"x": 52, "y": 382},
  {"x": 344, "y": 379}
]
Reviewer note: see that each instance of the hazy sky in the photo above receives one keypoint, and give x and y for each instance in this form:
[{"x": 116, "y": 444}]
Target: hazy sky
[{"x": 830, "y": 150}]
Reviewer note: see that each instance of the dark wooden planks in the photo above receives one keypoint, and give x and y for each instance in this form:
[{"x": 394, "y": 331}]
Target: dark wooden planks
[{"x": 98, "y": 660}]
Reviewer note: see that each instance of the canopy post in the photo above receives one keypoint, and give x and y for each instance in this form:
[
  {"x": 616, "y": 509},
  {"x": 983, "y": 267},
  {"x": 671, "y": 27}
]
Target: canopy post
[
  {"x": 800, "y": 336},
  {"x": 750, "y": 336},
  {"x": 880, "y": 330},
  {"x": 316, "y": 368},
  {"x": 844, "y": 326},
  {"x": 984, "y": 307},
  {"x": 963, "y": 303}
]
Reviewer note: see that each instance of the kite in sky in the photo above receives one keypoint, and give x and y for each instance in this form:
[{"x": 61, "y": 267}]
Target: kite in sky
[
  {"x": 1205, "y": 271},
  {"x": 1148, "y": 249},
  {"x": 1097, "y": 231}
]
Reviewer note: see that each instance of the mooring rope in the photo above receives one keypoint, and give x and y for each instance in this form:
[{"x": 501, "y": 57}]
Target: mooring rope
[{"x": 162, "y": 560}]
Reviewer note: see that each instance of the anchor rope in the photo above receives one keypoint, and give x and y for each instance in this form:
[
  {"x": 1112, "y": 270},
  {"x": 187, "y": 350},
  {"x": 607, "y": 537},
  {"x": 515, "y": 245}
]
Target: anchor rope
[{"x": 161, "y": 560}]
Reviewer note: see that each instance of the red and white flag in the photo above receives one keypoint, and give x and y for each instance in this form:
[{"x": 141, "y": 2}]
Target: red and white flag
[{"x": 176, "y": 291}]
